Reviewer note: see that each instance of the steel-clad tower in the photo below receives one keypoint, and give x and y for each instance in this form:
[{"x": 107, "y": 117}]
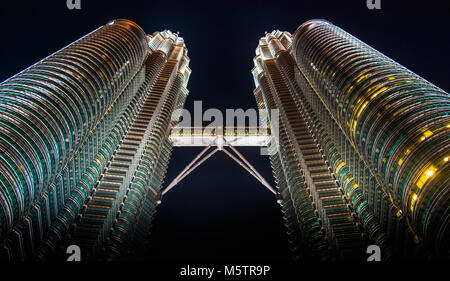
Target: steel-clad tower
[
  {"x": 321, "y": 224},
  {"x": 364, "y": 146},
  {"x": 83, "y": 142},
  {"x": 359, "y": 145}
]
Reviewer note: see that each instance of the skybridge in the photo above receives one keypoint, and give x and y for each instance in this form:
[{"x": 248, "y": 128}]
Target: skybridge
[
  {"x": 216, "y": 139},
  {"x": 218, "y": 136}
]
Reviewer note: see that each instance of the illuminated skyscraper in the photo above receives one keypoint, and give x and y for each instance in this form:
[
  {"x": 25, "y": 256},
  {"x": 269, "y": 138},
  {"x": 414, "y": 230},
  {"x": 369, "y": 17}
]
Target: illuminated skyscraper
[
  {"x": 83, "y": 142},
  {"x": 359, "y": 145},
  {"x": 320, "y": 222},
  {"x": 364, "y": 146}
]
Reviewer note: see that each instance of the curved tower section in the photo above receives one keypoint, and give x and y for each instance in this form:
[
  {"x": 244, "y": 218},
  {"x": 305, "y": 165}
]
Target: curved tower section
[
  {"x": 83, "y": 142},
  {"x": 49, "y": 109},
  {"x": 320, "y": 222},
  {"x": 392, "y": 130}
]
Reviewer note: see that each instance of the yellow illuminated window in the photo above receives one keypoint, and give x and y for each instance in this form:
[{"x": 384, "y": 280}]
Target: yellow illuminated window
[
  {"x": 361, "y": 78},
  {"x": 362, "y": 108},
  {"x": 340, "y": 166},
  {"x": 413, "y": 200},
  {"x": 378, "y": 91},
  {"x": 425, "y": 176},
  {"x": 428, "y": 133}
]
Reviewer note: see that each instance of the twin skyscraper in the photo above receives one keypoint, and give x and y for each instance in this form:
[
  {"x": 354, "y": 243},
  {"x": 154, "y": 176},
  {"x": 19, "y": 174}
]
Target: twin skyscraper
[{"x": 362, "y": 159}]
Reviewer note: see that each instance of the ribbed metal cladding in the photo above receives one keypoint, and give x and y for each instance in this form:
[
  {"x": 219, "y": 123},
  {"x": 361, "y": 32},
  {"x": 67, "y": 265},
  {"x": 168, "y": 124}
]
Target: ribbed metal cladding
[
  {"x": 49, "y": 110},
  {"x": 324, "y": 203},
  {"x": 398, "y": 122}
]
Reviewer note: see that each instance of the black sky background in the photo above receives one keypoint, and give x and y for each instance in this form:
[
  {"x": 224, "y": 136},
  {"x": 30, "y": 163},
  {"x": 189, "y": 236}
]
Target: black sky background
[{"x": 220, "y": 212}]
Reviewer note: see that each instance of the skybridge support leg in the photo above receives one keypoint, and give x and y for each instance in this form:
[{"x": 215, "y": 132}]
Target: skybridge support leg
[
  {"x": 195, "y": 159},
  {"x": 219, "y": 143},
  {"x": 265, "y": 183},
  {"x": 260, "y": 179},
  {"x": 188, "y": 168}
]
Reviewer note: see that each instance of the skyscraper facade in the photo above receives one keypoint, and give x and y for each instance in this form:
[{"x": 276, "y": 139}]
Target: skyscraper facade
[
  {"x": 83, "y": 142},
  {"x": 363, "y": 149},
  {"x": 320, "y": 222},
  {"x": 360, "y": 154}
]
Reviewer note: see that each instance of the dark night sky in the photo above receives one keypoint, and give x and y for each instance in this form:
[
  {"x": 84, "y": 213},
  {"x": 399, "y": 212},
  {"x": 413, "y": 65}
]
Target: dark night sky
[{"x": 220, "y": 212}]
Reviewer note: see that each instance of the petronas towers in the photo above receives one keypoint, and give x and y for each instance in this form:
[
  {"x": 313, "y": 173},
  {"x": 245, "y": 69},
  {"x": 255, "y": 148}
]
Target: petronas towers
[{"x": 361, "y": 157}]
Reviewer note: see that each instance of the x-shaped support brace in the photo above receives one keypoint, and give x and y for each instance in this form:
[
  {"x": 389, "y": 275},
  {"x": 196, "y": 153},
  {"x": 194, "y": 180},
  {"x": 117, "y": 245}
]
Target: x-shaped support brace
[{"x": 240, "y": 159}]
